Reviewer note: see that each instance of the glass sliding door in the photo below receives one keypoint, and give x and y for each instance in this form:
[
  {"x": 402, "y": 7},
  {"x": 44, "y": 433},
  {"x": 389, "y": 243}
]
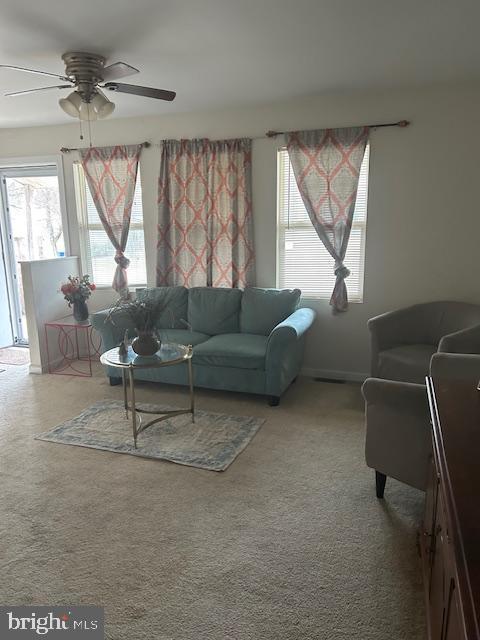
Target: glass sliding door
[
  {"x": 31, "y": 229},
  {"x": 6, "y": 328}
]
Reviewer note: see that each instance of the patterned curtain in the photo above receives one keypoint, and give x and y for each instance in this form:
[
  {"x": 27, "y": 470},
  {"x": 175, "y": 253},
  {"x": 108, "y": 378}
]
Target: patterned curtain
[
  {"x": 111, "y": 174},
  {"x": 205, "y": 235},
  {"x": 326, "y": 164}
]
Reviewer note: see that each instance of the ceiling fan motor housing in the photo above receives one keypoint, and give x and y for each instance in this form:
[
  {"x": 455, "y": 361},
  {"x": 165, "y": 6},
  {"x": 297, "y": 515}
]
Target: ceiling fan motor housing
[{"x": 85, "y": 70}]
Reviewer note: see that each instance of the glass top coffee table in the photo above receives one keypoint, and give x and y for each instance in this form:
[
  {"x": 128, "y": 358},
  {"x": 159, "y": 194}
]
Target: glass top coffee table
[{"x": 168, "y": 355}]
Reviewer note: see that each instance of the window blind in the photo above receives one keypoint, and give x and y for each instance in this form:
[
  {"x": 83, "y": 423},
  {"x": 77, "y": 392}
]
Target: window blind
[
  {"x": 98, "y": 250},
  {"x": 303, "y": 261}
]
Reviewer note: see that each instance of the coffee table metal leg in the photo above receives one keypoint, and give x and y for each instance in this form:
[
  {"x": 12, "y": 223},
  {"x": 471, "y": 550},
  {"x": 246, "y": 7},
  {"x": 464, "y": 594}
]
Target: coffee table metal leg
[
  {"x": 133, "y": 407},
  {"x": 125, "y": 393},
  {"x": 190, "y": 383}
]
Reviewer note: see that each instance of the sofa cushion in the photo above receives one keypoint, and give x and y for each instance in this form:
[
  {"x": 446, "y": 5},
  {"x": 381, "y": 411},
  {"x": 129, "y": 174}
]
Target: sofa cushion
[
  {"x": 182, "y": 336},
  {"x": 214, "y": 310},
  {"x": 175, "y": 305},
  {"x": 237, "y": 350},
  {"x": 263, "y": 309},
  {"x": 407, "y": 363}
]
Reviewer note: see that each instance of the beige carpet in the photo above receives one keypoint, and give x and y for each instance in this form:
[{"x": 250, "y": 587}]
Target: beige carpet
[{"x": 289, "y": 543}]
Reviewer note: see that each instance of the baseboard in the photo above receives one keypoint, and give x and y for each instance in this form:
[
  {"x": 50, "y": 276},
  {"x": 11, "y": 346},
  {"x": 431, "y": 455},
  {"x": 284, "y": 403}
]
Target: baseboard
[
  {"x": 34, "y": 368},
  {"x": 45, "y": 368},
  {"x": 334, "y": 374}
]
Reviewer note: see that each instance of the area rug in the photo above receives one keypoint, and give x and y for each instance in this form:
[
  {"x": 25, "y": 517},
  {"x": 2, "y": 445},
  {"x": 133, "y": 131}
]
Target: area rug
[
  {"x": 212, "y": 442},
  {"x": 14, "y": 355}
]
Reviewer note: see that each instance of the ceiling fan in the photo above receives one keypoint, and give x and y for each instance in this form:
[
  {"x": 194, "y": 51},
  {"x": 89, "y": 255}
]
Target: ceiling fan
[{"x": 87, "y": 74}]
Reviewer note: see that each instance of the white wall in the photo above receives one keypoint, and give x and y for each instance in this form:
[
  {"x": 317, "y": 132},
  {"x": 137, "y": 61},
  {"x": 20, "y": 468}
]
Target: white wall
[
  {"x": 423, "y": 218},
  {"x": 44, "y": 303}
]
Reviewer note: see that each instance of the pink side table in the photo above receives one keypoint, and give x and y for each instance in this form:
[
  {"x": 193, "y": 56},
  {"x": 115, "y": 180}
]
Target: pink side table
[{"x": 72, "y": 346}]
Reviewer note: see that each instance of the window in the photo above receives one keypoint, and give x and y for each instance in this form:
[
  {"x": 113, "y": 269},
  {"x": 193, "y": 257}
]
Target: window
[
  {"x": 303, "y": 261},
  {"x": 97, "y": 250}
]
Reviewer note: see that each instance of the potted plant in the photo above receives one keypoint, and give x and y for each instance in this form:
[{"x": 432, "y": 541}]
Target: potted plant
[
  {"x": 142, "y": 313},
  {"x": 76, "y": 292}
]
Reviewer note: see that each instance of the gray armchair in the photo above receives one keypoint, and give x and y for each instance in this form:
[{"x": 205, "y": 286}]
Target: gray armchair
[
  {"x": 398, "y": 436},
  {"x": 397, "y": 442},
  {"x": 403, "y": 341}
]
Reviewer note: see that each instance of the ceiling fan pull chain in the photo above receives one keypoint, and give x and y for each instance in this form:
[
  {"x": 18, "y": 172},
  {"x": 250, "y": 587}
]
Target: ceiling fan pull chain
[
  {"x": 89, "y": 133},
  {"x": 81, "y": 131}
]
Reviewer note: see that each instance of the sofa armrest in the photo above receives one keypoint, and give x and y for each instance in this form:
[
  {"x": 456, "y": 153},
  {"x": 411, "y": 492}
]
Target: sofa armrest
[
  {"x": 463, "y": 341},
  {"x": 285, "y": 350},
  {"x": 291, "y": 329},
  {"x": 112, "y": 334},
  {"x": 100, "y": 318}
]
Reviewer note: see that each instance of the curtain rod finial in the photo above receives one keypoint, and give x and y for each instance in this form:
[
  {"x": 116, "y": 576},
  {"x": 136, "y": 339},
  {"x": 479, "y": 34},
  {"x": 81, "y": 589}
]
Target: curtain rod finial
[
  {"x": 403, "y": 123},
  {"x": 272, "y": 134}
]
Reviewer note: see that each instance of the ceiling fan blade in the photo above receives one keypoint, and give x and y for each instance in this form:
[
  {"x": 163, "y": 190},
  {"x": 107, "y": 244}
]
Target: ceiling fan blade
[
  {"x": 118, "y": 70},
  {"x": 19, "y": 93},
  {"x": 146, "y": 92},
  {"x": 41, "y": 73}
]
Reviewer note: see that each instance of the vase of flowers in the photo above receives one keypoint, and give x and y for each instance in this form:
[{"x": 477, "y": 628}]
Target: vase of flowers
[
  {"x": 142, "y": 314},
  {"x": 80, "y": 310},
  {"x": 76, "y": 292}
]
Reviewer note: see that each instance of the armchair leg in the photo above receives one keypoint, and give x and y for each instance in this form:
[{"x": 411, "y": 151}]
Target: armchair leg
[
  {"x": 114, "y": 381},
  {"x": 380, "y": 480},
  {"x": 273, "y": 401}
]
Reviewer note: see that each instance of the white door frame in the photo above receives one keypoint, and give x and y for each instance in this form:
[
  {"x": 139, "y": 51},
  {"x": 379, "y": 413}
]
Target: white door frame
[
  {"x": 11, "y": 167},
  {"x": 7, "y": 316}
]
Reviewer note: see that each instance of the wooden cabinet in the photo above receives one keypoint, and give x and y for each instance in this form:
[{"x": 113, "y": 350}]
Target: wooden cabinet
[{"x": 450, "y": 535}]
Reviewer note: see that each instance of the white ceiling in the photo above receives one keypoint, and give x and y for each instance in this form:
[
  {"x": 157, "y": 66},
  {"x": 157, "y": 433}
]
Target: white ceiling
[{"x": 221, "y": 53}]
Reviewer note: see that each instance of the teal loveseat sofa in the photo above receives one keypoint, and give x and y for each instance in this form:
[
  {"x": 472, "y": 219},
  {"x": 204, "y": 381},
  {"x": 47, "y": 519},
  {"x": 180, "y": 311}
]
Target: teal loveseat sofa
[{"x": 250, "y": 341}]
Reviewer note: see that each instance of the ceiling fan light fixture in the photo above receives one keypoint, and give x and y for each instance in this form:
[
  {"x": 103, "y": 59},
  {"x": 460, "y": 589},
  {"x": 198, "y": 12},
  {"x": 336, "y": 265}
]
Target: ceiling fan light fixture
[
  {"x": 87, "y": 112},
  {"x": 71, "y": 104},
  {"x": 102, "y": 106}
]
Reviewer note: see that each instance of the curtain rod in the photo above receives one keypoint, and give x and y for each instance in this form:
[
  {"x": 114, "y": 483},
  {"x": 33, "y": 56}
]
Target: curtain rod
[
  {"x": 68, "y": 149},
  {"x": 273, "y": 134},
  {"x": 400, "y": 123}
]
